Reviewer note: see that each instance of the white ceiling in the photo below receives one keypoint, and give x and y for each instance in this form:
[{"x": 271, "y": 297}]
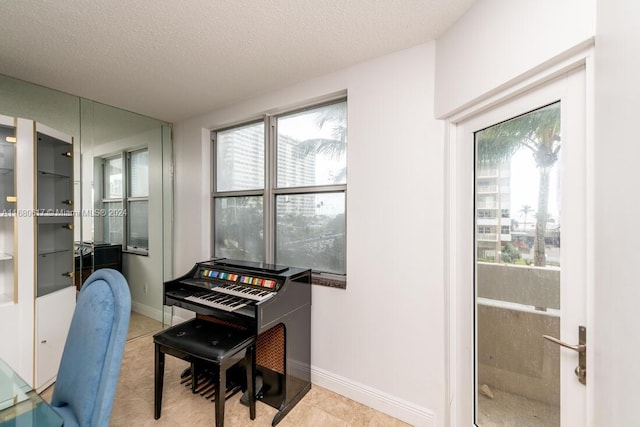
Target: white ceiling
[{"x": 174, "y": 59}]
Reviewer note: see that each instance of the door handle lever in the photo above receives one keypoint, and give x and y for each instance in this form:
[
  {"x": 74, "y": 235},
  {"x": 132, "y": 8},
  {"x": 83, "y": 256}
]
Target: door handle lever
[
  {"x": 577, "y": 347},
  {"x": 581, "y": 348}
]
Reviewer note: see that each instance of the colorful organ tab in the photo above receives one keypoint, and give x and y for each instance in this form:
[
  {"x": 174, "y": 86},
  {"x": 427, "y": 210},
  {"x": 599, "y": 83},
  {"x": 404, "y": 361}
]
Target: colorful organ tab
[
  {"x": 220, "y": 275},
  {"x": 256, "y": 281}
]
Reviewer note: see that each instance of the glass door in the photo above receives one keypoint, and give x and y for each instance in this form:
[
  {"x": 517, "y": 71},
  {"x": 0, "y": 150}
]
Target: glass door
[
  {"x": 54, "y": 205},
  {"x": 519, "y": 248},
  {"x": 7, "y": 210},
  {"x": 518, "y": 263}
]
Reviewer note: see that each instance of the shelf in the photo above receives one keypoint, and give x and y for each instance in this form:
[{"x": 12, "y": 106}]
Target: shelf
[
  {"x": 5, "y": 256},
  {"x": 45, "y": 252},
  {"x": 53, "y": 175},
  {"x": 48, "y": 288},
  {"x": 60, "y": 215},
  {"x": 52, "y": 214}
]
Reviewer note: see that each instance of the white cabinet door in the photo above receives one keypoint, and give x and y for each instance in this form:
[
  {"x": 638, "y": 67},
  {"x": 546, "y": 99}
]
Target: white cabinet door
[{"x": 53, "y": 318}]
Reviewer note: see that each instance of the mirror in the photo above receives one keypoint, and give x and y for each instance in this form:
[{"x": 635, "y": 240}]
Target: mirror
[
  {"x": 127, "y": 158},
  {"x": 101, "y": 131}
]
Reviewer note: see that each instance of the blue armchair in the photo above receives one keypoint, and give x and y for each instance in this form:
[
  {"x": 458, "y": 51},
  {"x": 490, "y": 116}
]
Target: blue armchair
[{"x": 85, "y": 388}]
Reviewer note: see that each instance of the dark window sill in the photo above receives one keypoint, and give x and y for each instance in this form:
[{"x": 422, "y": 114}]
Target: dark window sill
[
  {"x": 338, "y": 282},
  {"x": 132, "y": 251}
]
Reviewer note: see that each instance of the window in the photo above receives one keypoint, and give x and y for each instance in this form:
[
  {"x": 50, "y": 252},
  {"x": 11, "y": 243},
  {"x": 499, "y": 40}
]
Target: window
[
  {"x": 486, "y": 214},
  {"x": 112, "y": 200},
  {"x": 279, "y": 196},
  {"x": 125, "y": 200}
]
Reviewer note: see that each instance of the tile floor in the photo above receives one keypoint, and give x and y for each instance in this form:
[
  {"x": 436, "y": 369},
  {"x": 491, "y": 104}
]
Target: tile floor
[{"x": 133, "y": 405}]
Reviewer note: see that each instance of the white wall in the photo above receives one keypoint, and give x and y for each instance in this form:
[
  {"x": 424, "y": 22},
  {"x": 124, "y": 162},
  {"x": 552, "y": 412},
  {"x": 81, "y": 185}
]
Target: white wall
[
  {"x": 497, "y": 41},
  {"x": 617, "y": 105},
  {"x": 381, "y": 340}
]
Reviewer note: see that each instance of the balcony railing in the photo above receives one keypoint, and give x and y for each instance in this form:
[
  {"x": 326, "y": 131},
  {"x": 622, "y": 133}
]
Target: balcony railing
[
  {"x": 487, "y": 237},
  {"x": 487, "y": 205},
  {"x": 487, "y": 173},
  {"x": 488, "y": 189},
  {"x": 516, "y": 305}
]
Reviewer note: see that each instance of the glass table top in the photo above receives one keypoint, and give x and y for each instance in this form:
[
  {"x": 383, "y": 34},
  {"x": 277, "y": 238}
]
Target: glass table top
[{"x": 20, "y": 405}]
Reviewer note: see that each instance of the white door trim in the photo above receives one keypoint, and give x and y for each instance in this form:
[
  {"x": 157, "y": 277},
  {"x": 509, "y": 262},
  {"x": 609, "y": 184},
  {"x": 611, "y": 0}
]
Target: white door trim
[{"x": 459, "y": 364}]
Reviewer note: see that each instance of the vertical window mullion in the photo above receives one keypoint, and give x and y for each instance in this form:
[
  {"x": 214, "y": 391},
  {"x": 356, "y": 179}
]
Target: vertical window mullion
[
  {"x": 125, "y": 199},
  {"x": 104, "y": 178},
  {"x": 270, "y": 184},
  {"x": 212, "y": 199}
]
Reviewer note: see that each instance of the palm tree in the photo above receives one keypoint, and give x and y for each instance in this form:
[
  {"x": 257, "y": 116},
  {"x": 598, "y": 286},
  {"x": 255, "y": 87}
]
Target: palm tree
[
  {"x": 539, "y": 132},
  {"x": 526, "y": 210},
  {"x": 335, "y": 147}
]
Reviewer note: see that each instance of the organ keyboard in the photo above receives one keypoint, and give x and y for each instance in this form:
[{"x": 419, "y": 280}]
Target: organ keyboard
[
  {"x": 242, "y": 292},
  {"x": 219, "y": 300},
  {"x": 271, "y": 301}
]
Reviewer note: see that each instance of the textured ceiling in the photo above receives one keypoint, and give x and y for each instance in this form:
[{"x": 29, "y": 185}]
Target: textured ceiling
[{"x": 172, "y": 59}]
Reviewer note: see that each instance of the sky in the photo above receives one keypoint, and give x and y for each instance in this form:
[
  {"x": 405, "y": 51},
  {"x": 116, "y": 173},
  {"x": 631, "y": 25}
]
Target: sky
[{"x": 524, "y": 185}]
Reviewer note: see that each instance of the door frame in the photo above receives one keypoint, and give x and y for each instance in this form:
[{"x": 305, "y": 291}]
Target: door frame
[{"x": 458, "y": 230}]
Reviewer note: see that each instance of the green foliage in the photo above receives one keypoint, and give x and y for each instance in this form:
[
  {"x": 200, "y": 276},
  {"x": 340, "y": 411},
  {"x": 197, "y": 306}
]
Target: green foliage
[
  {"x": 538, "y": 130},
  {"x": 334, "y": 115},
  {"x": 316, "y": 242},
  {"x": 510, "y": 254}
]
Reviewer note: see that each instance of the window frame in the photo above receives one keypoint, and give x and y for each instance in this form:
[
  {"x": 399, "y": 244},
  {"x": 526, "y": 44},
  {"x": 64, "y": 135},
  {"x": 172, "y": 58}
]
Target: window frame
[
  {"x": 108, "y": 201},
  {"x": 124, "y": 200},
  {"x": 270, "y": 192}
]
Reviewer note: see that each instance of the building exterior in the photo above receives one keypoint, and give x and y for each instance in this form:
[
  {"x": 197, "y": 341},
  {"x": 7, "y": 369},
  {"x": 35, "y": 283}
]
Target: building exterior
[{"x": 493, "y": 210}]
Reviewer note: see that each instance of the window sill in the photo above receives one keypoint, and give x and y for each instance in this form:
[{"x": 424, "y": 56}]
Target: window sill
[
  {"x": 338, "y": 282},
  {"x": 135, "y": 251}
]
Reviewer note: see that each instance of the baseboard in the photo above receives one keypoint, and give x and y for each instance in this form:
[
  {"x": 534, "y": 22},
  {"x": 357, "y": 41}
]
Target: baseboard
[
  {"x": 376, "y": 399},
  {"x": 145, "y": 310}
]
